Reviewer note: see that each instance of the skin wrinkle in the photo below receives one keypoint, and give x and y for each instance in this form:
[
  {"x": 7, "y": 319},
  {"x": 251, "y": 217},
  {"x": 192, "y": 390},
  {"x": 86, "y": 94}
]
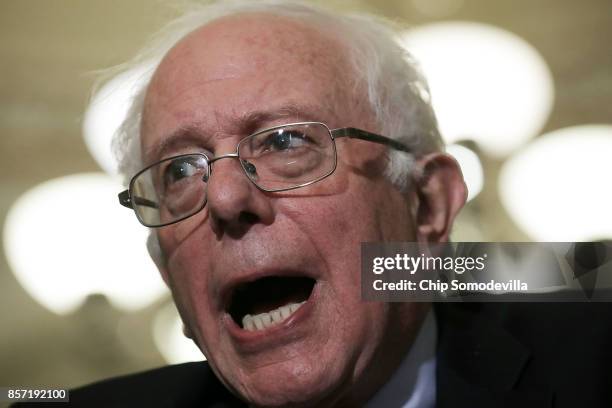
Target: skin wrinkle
[
  {"x": 371, "y": 155},
  {"x": 186, "y": 228},
  {"x": 322, "y": 69},
  {"x": 248, "y": 123},
  {"x": 363, "y": 59},
  {"x": 315, "y": 229}
]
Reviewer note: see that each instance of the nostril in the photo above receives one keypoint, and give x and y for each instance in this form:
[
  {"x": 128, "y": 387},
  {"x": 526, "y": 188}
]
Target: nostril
[
  {"x": 236, "y": 227},
  {"x": 248, "y": 218}
]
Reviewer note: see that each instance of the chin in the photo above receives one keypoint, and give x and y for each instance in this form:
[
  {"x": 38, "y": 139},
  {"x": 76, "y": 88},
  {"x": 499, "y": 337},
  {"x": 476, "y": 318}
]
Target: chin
[{"x": 292, "y": 384}]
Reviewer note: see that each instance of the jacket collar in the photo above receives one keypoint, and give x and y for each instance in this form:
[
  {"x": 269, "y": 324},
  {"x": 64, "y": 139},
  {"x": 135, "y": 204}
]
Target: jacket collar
[{"x": 479, "y": 362}]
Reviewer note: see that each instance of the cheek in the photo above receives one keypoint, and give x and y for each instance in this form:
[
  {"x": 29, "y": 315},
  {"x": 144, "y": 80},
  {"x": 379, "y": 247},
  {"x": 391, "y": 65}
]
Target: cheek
[
  {"x": 188, "y": 275},
  {"x": 173, "y": 236},
  {"x": 177, "y": 242},
  {"x": 336, "y": 225},
  {"x": 188, "y": 283}
]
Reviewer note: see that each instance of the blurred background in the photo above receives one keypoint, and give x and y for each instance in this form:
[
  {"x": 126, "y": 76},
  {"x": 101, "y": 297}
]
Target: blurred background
[{"x": 523, "y": 91}]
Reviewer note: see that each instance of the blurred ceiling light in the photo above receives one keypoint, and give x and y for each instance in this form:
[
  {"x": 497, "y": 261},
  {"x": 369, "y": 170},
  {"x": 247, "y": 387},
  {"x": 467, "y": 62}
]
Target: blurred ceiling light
[
  {"x": 487, "y": 84},
  {"x": 558, "y": 187},
  {"x": 170, "y": 340},
  {"x": 437, "y": 8},
  {"x": 470, "y": 166},
  {"x": 68, "y": 238},
  {"x": 106, "y": 112}
]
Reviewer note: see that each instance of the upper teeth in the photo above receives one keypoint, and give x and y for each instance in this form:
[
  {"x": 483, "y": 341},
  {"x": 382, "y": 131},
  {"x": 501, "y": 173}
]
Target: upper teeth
[{"x": 271, "y": 318}]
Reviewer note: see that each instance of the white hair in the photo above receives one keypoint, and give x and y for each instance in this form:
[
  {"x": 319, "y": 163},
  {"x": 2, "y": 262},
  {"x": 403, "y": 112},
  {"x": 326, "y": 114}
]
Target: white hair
[{"x": 397, "y": 91}]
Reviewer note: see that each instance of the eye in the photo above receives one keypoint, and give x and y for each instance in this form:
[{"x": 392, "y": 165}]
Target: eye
[
  {"x": 179, "y": 169},
  {"x": 285, "y": 140}
]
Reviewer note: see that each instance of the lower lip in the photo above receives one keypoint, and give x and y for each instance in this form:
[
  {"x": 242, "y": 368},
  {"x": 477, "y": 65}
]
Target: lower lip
[{"x": 276, "y": 333}]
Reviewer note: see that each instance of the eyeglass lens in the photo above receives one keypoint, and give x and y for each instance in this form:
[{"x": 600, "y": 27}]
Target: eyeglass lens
[{"x": 277, "y": 159}]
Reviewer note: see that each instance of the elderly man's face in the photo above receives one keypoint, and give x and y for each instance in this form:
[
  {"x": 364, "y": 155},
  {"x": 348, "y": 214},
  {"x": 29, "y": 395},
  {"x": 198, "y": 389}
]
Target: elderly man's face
[{"x": 252, "y": 252}]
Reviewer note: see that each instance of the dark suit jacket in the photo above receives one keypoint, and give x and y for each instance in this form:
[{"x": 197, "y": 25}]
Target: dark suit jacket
[{"x": 489, "y": 355}]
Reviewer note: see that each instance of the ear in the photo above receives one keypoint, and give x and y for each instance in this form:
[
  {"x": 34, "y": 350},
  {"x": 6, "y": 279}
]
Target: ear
[{"x": 441, "y": 193}]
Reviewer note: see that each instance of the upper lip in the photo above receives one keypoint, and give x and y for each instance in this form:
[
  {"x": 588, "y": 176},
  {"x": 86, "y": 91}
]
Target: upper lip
[{"x": 228, "y": 287}]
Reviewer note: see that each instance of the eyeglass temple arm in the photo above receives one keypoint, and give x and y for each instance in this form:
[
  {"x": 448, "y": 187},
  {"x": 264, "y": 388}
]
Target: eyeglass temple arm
[
  {"x": 126, "y": 201},
  {"x": 355, "y": 133}
]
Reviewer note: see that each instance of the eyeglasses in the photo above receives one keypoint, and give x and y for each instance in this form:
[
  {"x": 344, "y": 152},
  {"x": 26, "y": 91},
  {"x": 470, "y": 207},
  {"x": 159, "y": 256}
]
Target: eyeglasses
[{"x": 279, "y": 158}]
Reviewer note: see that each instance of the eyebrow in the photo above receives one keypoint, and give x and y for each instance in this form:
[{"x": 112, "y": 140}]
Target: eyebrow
[{"x": 248, "y": 123}]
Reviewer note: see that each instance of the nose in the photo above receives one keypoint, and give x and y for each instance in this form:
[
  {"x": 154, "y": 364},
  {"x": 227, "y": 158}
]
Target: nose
[{"x": 234, "y": 203}]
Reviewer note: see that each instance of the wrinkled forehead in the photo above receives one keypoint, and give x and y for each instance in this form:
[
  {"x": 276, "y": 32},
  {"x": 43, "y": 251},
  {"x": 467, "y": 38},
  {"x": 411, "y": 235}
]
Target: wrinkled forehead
[
  {"x": 245, "y": 62},
  {"x": 251, "y": 44}
]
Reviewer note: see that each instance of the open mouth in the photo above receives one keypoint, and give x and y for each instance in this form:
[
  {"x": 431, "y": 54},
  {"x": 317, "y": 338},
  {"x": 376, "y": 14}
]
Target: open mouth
[{"x": 268, "y": 301}]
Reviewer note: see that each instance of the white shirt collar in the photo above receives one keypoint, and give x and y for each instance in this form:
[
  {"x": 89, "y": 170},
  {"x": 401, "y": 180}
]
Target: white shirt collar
[{"x": 413, "y": 385}]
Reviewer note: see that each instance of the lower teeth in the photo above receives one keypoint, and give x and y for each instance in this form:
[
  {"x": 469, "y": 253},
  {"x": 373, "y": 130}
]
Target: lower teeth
[{"x": 271, "y": 318}]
